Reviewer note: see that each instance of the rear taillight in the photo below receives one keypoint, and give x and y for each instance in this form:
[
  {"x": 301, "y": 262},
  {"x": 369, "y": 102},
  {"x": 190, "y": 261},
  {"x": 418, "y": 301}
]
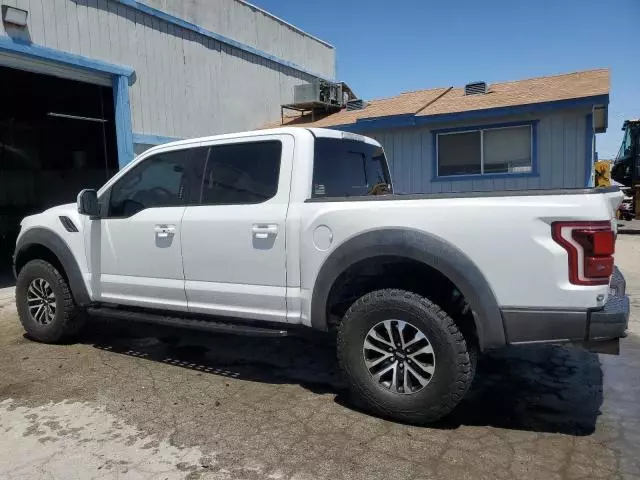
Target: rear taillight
[{"x": 590, "y": 246}]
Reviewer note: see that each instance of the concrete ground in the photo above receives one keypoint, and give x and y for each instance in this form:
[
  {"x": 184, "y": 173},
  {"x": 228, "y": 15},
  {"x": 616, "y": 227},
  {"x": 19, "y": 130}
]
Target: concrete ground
[
  {"x": 629, "y": 226},
  {"x": 132, "y": 402}
]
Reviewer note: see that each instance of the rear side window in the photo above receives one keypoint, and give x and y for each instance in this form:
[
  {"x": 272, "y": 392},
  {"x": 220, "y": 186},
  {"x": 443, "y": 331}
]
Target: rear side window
[
  {"x": 167, "y": 179},
  {"x": 242, "y": 173},
  {"x": 347, "y": 168}
]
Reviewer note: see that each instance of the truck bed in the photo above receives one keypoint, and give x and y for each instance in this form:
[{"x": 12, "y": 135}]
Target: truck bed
[{"x": 502, "y": 193}]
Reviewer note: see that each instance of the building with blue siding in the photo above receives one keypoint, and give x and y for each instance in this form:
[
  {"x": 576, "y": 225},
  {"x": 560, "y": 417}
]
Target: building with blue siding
[
  {"x": 88, "y": 84},
  {"x": 537, "y": 133},
  {"x": 176, "y": 69}
]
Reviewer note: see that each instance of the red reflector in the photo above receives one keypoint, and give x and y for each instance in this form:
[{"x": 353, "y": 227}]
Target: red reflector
[
  {"x": 595, "y": 242},
  {"x": 598, "y": 267},
  {"x": 603, "y": 243}
]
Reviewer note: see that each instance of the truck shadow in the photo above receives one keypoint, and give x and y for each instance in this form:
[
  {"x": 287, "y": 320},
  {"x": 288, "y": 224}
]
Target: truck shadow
[
  {"x": 538, "y": 388},
  {"x": 6, "y": 276},
  {"x": 542, "y": 389}
]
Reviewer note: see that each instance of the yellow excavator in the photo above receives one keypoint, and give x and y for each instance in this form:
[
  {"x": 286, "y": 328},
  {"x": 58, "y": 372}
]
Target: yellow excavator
[
  {"x": 602, "y": 173},
  {"x": 626, "y": 166}
]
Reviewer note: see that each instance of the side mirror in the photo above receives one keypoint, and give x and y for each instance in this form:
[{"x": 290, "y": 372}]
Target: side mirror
[{"x": 88, "y": 203}]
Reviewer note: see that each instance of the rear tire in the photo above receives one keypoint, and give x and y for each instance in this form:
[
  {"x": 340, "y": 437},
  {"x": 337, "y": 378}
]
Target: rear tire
[
  {"x": 46, "y": 307},
  {"x": 406, "y": 392}
]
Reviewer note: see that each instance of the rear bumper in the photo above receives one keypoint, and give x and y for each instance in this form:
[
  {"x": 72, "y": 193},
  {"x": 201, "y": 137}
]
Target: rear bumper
[
  {"x": 612, "y": 320},
  {"x": 524, "y": 326}
]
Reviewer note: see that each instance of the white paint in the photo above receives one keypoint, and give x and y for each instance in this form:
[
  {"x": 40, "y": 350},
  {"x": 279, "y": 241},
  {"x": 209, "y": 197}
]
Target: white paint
[
  {"x": 133, "y": 264},
  {"x": 508, "y": 238},
  {"x": 322, "y": 237},
  {"x": 233, "y": 251}
]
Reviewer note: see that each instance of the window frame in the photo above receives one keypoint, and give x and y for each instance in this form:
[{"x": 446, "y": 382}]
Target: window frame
[
  {"x": 241, "y": 141},
  {"x": 387, "y": 171},
  {"x": 533, "y": 125},
  {"x": 284, "y": 176},
  {"x": 104, "y": 194}
]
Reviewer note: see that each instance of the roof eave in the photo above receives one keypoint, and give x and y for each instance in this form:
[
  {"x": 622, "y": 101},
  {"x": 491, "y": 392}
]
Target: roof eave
[{"x": 409, "y": 120}]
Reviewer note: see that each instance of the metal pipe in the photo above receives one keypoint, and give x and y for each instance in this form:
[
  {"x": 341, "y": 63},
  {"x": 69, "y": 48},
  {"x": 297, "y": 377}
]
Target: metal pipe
[{"x": 75, "y": 117}]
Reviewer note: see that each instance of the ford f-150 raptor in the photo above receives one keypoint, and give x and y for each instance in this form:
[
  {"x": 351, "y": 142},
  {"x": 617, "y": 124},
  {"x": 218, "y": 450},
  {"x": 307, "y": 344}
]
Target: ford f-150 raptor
[{"x": 263, "y": 233}]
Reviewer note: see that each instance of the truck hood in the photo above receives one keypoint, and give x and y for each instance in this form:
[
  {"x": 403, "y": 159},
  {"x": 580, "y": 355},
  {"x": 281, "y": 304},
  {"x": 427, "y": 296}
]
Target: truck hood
[
  {"x": 69, "y": 210},
  {"x": 66, "y": 209}
]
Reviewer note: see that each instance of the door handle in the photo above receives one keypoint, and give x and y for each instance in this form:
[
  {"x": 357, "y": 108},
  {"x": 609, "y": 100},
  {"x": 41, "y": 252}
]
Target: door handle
[
  {"x": 163, "y": 231},
  {"x": 264, "y": 231}
]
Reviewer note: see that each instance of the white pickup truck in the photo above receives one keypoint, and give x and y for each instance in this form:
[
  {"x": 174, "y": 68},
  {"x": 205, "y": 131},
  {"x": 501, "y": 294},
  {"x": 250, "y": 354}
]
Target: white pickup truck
[{"x": 269, "y": 232}]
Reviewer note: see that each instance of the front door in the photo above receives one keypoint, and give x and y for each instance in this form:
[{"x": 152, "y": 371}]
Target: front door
[
  {"x": 233, "y": 243},
  {"x": 135, "y": 251}
]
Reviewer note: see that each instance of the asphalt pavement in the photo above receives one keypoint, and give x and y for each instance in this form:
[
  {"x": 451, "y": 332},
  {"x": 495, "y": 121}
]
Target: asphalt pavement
[{"x": 138, "y": 402}]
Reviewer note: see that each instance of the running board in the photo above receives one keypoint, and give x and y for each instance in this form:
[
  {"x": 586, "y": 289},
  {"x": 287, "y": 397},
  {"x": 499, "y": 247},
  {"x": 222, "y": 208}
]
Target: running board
[{"x": 215, "y": 326}]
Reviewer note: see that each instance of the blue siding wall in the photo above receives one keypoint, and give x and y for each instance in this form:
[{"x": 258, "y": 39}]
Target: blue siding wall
[
  {"x": 189, "y": 81},
  {"x": 560, "y": 146}
]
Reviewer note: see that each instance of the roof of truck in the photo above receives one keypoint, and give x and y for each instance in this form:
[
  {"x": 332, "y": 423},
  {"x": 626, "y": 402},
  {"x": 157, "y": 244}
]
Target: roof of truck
[{"x": 318, "y": 132}]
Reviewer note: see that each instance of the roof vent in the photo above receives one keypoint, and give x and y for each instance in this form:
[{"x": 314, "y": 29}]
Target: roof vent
[
  {"x": 475, "y": 88},
  {"x": 356, "y": 104}
]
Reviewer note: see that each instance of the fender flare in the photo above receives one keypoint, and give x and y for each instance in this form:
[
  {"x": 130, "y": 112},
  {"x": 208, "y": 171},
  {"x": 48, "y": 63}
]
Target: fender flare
[
  {"x": 424, "y": 248},
  {"x": 53, "y": 242}
]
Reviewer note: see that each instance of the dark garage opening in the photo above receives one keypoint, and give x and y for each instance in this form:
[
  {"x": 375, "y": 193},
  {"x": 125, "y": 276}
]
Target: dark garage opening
[{"x": 57, "y": 137}]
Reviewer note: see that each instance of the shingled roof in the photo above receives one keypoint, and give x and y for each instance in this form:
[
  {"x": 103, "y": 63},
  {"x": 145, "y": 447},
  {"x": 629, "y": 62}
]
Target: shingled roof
[{"x": 437, "y": 101}]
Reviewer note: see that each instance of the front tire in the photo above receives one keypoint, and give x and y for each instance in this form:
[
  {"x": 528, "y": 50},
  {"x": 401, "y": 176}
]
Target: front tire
[
  {"x": 45, "y": 304},
  {"x": 403, "y": 356}
]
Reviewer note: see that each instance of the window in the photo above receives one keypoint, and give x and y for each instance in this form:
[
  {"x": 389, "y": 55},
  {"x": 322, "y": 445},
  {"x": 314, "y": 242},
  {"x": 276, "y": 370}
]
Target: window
[
  {"x": 242, "y": 173},
  {"x": 459, "y": 153},
  {"x": 345, "y": 168},
  {"x": 164, "y": 180},
  {"x": 486, "y": 151},
  {"x": 625, "y": 148},
  {"x": 507, "y": 150}
]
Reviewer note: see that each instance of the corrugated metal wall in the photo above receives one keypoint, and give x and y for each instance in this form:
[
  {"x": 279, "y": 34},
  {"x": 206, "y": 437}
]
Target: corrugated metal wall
[
  {"x": 561, "y": 156},
  {"x": 186, "y": 84},
  {"x": 245, "y": 23}
]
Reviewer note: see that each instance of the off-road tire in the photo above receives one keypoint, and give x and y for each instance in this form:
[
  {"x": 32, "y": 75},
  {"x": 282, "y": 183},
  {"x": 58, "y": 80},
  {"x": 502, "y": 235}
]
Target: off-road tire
[
  {"x": 68, "y": 318},
  {"x": 454, "y": 367}
]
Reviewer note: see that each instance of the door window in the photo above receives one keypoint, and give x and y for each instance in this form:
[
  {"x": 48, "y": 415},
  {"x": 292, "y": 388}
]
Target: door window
[
  {"x": 242, "y": 173},
  {"x": 167, "y": 179}
]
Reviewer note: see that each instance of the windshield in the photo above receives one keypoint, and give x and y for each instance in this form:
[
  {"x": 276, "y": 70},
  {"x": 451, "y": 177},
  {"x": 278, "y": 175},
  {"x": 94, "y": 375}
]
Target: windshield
[
  {"x": 347, "y": 168},
  {"x": 625, "y": 148}
]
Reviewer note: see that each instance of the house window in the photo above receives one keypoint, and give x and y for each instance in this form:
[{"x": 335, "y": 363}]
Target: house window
[{"x": 485, "y": 151}]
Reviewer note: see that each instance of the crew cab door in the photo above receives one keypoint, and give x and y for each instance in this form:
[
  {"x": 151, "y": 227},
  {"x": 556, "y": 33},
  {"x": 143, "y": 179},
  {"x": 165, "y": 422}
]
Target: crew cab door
[
  {"x": 134, "y": 250},
  {"x": 233, "y": 243}
]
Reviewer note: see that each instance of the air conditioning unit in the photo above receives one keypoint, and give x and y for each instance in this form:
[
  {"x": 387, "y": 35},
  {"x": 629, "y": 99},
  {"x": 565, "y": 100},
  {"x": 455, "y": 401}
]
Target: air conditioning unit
[{"x": 319, "y": 91}]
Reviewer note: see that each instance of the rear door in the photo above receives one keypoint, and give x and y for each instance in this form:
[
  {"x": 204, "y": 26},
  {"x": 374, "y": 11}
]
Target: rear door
[
  {"x": 135, "y": 250},
  {"x": 233, "y": 244}
]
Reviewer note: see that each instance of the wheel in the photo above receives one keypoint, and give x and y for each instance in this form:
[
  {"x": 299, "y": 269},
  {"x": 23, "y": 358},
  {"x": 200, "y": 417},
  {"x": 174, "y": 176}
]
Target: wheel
[
  {"x": 403, "y": 357},
  {"x": 45, "y": 305}
]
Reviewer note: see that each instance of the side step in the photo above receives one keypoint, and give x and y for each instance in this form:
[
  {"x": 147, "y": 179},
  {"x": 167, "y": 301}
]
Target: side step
[{"x": 216, "y": 326}]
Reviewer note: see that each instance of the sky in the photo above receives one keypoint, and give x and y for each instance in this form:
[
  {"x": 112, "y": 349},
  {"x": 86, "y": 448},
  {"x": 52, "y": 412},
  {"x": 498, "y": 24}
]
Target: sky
[{"x": 385, "y": 47}]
